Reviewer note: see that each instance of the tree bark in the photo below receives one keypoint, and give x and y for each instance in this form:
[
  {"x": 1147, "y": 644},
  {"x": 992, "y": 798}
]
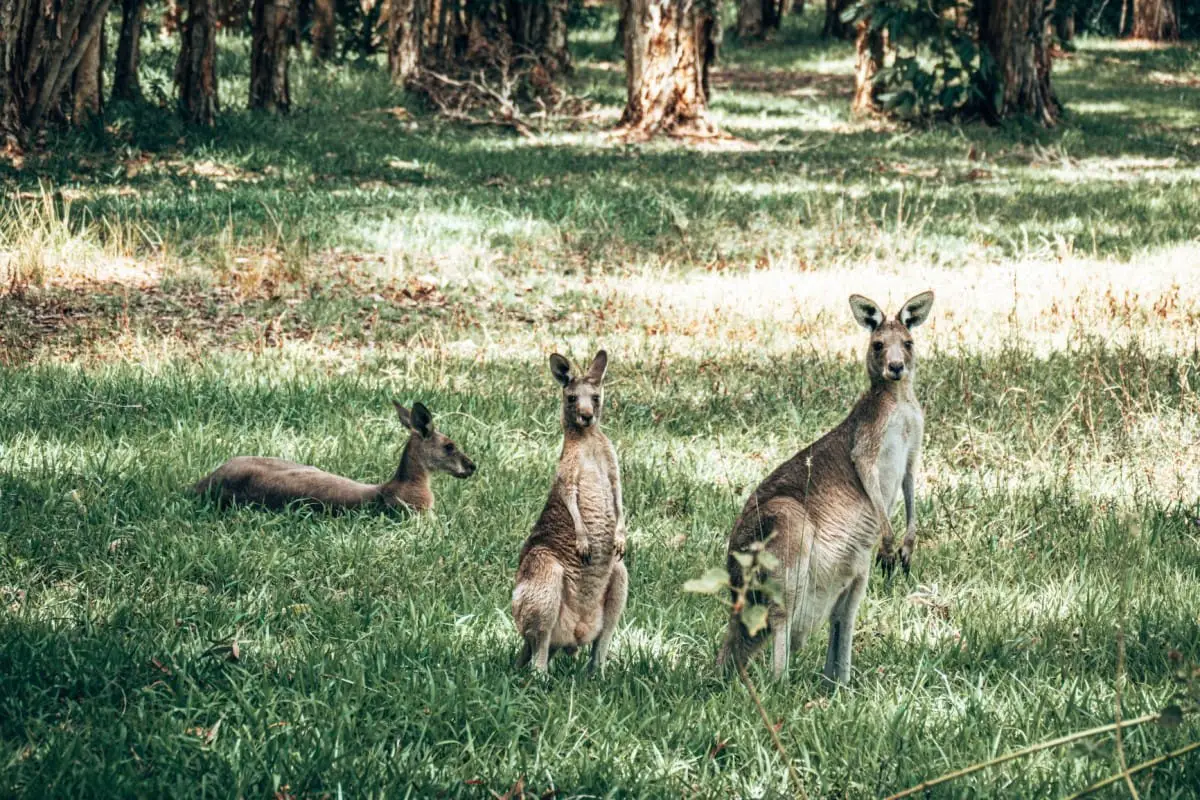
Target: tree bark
[
  {"x": 87, "y": 84},
  {"x": 196, "y": 69},
  {"x": 669, "y": 47},
  {"x": 1015, "y": 35},
  {"x": 797, "y": 7},
  {"x": 868, "y": 62},
  {"x": 1155, "y": 20},
  {"x": 42, "y": 44},
  {"x": 1064, "y": 26},
  {"x": 272, "y": 22},
  {"x": 538, "y": 29},
  {"x": 324, "y": 30},
  {"x": 834, "y": 26},
  {"x": 756, "y": 17},
  {"x": 406, "y": 26},
  {"x": 126, "y": 85}
]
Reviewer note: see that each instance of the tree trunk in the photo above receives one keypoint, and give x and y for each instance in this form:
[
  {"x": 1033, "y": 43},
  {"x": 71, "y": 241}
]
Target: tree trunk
[
  {"x": 324, "y": 30},
  {"x": 868, "y": 62},
  {"x": 231, "y": 14},
  {"x": 834, "y": 26},
  {"x": 538, "y": 28},
  {"x": 756, "y": 17},
  {"x": 1064, "y": 26},
  {"x": 196, "y": 69},
  {"x": 42, "y": 44},
  {"x": 622, "y": 16},
  {"x": 406, "y": 26},
  {"x": 1155, "y": 20},
  {"x": 1015, "y": 35},
  {"x": 750, "y": 22},
  {"x": 669, "y": 47},
  {"x": 272, "y": 22},
  {"x": 87, "y": 84},
  {"x": 797, "y": 7},
  {"x": 129, "y": 47}
]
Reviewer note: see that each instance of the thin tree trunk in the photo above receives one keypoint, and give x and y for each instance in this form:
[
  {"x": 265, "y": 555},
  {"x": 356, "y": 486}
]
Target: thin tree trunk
[
  {"x": 797, "y": 7},
  {"x": 868, "y": 62},
  {"x": 1014, "y": 33},
  {"x": 538, "y": 29},
  {"x": 324, "y": 30},
  {"x": 406, "y": 26},
  {"x": 196, "y": 69},
  {"x": 750, "y": 22},
  {"x": 1064, "y": 26},
  {"x": 669, "y": 47},
  {"x": 87, "y": 84},
  {"x": 1155, "y": 21},
  {"x": 126, "y": 85},
  {"x": 1124, "y": 16},
  {"x": 622, "y": 24},
  {"x": 272, "y": 22},
  {"x": 835, "y": 27}
]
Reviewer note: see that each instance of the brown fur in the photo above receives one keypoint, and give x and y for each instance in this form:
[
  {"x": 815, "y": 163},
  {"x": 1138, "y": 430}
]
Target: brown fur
[
  {"x": 571, "y": 580},
  {"x": 275, "y": 483},
  {"x": 822, "y": 511}
]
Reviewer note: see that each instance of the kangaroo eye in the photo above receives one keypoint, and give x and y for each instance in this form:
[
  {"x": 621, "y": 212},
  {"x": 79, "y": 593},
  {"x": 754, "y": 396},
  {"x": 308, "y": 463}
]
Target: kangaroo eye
[
  {"x": 877, "y": 346},
  {"x": 595, "y": 398},
  {"x": 449, "y": 447},
  {"x": 571, "y": 398},
  {"x": 908, "y": 345}
]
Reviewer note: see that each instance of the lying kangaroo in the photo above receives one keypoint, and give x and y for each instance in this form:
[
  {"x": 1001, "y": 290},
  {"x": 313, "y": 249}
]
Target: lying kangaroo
[
  {"x": 821, "y": 512},
  {"x": 274, "y": 482},
  {"x": 571, "y": 579}
]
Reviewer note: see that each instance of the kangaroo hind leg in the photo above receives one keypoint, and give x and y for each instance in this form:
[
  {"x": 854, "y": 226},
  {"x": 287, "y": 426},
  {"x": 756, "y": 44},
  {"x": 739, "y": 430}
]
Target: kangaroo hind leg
[
  {"x": 614, "y": 605},
  {"x": 537, "y": 601}
]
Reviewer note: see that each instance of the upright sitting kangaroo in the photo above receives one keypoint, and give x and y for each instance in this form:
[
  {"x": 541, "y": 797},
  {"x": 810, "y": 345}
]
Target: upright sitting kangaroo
[
  {"x": 571, "y": 579},
  {"x": 822, "y": 511},
  {"x": 274, "y": 483}
]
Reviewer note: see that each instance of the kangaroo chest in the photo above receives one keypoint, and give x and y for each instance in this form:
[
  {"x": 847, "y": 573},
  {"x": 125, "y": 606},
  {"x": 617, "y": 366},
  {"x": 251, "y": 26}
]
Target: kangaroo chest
[
  {"x": 901, "y": 439},
  {"x": 597, "y": 506}
]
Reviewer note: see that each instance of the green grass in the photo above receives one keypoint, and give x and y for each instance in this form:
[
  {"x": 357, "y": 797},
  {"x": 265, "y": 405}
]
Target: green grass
[{"x": 267, "y": 288}]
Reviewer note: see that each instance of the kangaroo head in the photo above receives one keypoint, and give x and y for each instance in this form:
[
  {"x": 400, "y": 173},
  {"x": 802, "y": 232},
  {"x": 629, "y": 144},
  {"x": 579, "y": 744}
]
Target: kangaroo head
[
  {"x": 430, "y": 448},
  {"x": 583, "y": 395},
  {"x": 890, "y": 355}
]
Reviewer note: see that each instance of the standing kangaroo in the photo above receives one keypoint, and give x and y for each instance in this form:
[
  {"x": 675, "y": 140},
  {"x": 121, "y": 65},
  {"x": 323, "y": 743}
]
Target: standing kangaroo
[
  {"x": 571, "y": 578},
  {"x": 821, "y": 512},
  {"x": 274, "y": 483}
]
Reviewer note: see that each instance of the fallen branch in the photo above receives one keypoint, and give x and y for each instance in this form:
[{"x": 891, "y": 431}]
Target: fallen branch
[
  {"x": 762, "y": 712},
  {"x": 1071, "y": 737},
  {"x": 1145, "y": 765}
]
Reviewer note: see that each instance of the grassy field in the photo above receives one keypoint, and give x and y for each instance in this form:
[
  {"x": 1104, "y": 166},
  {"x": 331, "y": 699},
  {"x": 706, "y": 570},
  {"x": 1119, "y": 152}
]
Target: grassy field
[{"x": 267, "y": 288}]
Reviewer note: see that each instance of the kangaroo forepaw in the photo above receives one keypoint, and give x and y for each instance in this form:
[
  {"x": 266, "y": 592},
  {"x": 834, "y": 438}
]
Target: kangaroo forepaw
[
  {"x": 906, "y": 554},
  {"x": 619, "y": 549},
  {"x": 886, "y": 559},
  {"x": 584, "y": 548}
]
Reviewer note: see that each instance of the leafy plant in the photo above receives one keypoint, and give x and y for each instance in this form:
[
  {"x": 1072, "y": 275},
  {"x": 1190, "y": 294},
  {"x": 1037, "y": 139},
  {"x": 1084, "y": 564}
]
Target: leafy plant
[
  {"x": 756, "y": 585},
  {"x": 937, "y": 62}
]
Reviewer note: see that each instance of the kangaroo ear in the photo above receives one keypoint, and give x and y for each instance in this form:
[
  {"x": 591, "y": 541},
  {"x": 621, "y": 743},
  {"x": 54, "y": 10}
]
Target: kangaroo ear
[
  {"x": 560, "y": 368},
  {"x": 916, "y": 310},
  {"x": 422, "y": 420},
  {"x": 866, "y": 311},
  {"x": 404, "y": 414},
  {"x": 595, "y": 373}
]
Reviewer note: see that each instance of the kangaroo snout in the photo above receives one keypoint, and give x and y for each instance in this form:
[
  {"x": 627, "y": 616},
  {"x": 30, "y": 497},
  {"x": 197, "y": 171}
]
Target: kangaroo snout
[
  {"x": 895, "y": 370},
  {"x": 467, "y": 469}
]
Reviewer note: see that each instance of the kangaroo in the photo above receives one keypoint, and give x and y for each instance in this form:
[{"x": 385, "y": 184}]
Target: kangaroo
[
  {"x": 821, "y": 512},
  {"x": 571, "y": 579},
  {"x": 275, "y": 483}
]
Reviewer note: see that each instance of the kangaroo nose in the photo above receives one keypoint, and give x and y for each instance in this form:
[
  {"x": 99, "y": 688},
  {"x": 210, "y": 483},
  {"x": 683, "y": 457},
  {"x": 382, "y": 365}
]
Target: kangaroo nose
[{"x": 896, "y": 367}]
